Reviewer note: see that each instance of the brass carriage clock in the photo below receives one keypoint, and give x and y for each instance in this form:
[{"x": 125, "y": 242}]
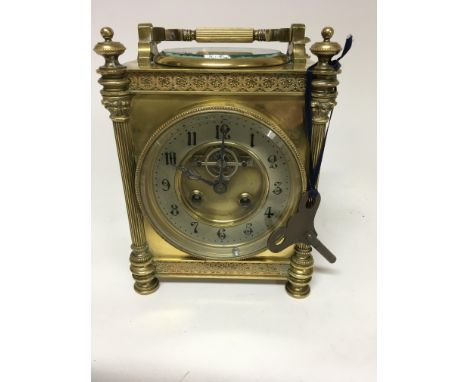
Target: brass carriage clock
[{"x": 214, "y": 155}]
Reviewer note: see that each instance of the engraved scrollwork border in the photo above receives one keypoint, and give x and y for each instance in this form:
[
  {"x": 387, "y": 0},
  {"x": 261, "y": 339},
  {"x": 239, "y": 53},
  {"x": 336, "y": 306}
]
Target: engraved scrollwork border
[
  {"x": 221, "y": 269},
  {"x": 218, "y": 82}
]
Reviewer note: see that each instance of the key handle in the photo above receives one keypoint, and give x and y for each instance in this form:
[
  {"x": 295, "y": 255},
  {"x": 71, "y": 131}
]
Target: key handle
[{"x": 300, "y": 229}]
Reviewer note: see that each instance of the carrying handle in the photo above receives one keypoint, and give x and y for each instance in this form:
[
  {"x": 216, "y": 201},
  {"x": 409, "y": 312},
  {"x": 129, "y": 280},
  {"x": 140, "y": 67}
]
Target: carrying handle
[
  {"x": 227, "y": 35},
  {"x": 150, "y": 37},
  {"x": 223, "y": 34}
]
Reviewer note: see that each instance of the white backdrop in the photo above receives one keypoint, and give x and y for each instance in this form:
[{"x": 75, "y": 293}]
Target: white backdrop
[{"x": 214, "y": 331}]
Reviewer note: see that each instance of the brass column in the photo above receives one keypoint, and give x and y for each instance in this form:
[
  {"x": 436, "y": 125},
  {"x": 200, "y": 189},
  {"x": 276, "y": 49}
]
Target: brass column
[
  {"x": 116, "y": 99},
  {"x": 324, "y": 92}
]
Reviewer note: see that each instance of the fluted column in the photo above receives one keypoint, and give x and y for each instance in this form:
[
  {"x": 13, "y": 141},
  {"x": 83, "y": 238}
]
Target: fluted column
[
  {"x": 324, "y": 89},
  {"x": 116, "y": 99},
  {"x": 324, "y": 92}
]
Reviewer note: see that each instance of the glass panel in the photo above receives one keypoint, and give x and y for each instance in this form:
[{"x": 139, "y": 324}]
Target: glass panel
[{"x": 221, "y": 53}]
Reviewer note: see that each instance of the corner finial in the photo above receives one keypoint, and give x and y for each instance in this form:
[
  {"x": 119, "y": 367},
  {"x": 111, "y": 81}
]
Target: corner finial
[
  {"x": 109, "y": 49},
  {"x": 327, "y": 33},
  {"x": 326, "y": 49},
  {"x": 107, "y": 33}
]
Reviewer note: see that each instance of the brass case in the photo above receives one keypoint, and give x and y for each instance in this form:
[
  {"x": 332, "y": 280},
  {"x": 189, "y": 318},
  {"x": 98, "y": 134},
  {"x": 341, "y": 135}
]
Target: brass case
[{"x": 142, "y": 95}]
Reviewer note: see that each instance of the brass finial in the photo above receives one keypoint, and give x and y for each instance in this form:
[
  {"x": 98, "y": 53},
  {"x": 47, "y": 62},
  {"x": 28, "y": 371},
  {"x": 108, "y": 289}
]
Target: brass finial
[
  {"x": 327, "y": 33},
  {"x": 107, "y": 33},
  {"x": 109, "y": 49},
  {"x": 327, "y": 49}
]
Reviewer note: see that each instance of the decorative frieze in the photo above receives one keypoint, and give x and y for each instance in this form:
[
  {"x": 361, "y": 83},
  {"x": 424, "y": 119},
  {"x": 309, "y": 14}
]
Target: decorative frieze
[
  {"x": 218, "y": 82},
  {"x": 221, "y": 269}
]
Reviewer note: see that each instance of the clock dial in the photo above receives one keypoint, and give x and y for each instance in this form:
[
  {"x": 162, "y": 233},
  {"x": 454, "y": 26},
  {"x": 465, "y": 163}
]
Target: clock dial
[{"x": 216, "y": 181}]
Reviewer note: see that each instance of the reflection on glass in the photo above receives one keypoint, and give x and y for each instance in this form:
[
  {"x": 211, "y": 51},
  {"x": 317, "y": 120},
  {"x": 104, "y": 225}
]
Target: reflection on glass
[{"x": 221, "y": 53}]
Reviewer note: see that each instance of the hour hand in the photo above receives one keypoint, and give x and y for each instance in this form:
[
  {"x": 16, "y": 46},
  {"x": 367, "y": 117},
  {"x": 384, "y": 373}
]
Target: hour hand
[
  {"x": 244, "y": 161},
  {"x": 193, "y": 175}
]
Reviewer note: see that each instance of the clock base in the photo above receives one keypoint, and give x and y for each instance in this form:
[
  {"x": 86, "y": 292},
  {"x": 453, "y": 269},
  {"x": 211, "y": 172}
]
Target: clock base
[{"x": 296, "y": 271}]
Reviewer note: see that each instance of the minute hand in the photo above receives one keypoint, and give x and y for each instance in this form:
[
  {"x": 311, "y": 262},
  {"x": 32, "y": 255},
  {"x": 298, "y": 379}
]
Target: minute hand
[{"x": 220, "y": 185}]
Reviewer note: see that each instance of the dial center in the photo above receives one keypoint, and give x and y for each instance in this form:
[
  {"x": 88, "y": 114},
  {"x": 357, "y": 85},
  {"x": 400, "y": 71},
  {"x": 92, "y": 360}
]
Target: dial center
[
  {"x": 215, "y": 163},
  {"x": 233, "y": 187}
]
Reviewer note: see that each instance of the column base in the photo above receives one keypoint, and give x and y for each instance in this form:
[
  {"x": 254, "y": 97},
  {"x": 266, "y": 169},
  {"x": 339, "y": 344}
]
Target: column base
[
  {"x": 143, "y": 270},
  {"x": 300, "y": 271},
  {"x": 297, "y": 291},
  {"x": 146, "y": 288}
]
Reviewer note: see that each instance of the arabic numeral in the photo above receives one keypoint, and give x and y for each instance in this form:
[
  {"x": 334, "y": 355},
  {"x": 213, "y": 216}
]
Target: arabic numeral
[
  {"x": 268, "y": 213},
  {"x": 277, "y": 190},
  {"x": 165, "y": 184},
  {"x": 223, "y": 128},
  {"x": 222, "y": 233},
  {"x": 195, "y": 226},
  {"x": 272, "y": 159},
  {"x": 248, "y": 230},
  {"x": 174, "y": 210}
]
